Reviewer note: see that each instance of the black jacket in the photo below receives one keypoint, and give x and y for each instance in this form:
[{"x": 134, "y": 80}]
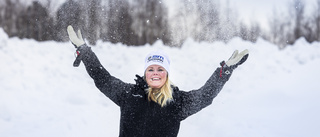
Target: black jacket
[{"x": 143, "y": 118}]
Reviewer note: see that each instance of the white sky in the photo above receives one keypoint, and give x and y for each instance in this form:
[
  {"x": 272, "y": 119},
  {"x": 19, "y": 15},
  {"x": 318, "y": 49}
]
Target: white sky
[{"x": 262, "y": 10}]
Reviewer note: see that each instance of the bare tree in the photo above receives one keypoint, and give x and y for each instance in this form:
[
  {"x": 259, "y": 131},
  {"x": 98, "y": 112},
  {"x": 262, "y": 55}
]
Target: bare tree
[
  {"x": 68, "y": 14},
  {"x": 279, "y": 29},
  {"x": 227, "y": 27},
  {"x": 184, "y": 23},
  {"x": 38, "y": 22},
  {"x": 2, "y": 10},
  {"x": 254, "y": 32},
  {"x": 119, "y": 22},
  {"x": 209, "y": 19},
  {"x": 244, "y": 32},
  {"x": 317, "y": 21},
  {"x": 10, "y": 16},
  {"x": 150, "y": 21},
  {"x": 94, "y": 22},
  {"x": 298, "y": 15}
]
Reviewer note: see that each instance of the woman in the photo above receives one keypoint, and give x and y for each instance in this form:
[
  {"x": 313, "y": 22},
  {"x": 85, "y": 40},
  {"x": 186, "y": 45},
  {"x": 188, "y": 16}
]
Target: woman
[{"x": 152, "y": 106}]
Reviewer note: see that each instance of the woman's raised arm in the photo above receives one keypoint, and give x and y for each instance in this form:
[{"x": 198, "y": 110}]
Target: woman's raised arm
[
  {"x": 112, "y": 87},
  {"x": 195, "y": 100}
]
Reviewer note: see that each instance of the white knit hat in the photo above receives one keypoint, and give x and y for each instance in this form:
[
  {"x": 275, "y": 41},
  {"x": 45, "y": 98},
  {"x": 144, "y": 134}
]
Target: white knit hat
[{"x": 157, "y": 58}]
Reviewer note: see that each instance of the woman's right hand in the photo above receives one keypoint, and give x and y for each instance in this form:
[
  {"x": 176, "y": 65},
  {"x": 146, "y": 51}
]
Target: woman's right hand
[{"x": 76, "y": 40}]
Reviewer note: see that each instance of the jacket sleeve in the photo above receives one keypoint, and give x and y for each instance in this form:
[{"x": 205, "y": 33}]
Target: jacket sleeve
[
  {"x": 112, "y": 87},
  {"x": 193, "y": 101}
]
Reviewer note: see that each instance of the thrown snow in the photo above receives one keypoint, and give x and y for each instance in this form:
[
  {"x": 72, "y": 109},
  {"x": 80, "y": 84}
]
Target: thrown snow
[{"x": 275, "y": 93}]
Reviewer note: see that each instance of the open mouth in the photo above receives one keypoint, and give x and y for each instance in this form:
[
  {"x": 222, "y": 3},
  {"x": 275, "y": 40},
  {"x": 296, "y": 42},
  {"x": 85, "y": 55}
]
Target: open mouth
[{"x": 155, "y": 79}]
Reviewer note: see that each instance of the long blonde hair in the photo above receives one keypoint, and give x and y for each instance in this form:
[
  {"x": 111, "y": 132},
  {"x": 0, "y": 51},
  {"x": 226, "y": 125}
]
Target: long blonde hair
[{"x": 161, "y": 96}]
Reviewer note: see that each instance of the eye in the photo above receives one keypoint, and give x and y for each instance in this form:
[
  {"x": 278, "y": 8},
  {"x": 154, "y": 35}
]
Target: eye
[
  {"x": 160, "y": 69},
  {"x": 150, "y": 70}
]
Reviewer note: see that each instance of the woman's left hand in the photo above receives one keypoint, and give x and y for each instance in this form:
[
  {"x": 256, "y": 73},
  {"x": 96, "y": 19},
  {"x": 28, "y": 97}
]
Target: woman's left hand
[{"x": 237, "y": 59}]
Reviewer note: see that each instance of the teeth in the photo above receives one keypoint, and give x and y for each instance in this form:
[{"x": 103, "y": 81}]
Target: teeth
[{"x": 155, "y": 79}]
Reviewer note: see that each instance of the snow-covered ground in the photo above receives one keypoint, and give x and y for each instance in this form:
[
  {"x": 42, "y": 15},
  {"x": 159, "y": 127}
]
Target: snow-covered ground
[{"x": 274, "y": 94}]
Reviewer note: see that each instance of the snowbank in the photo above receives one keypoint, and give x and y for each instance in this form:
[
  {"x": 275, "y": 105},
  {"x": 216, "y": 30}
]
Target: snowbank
[{"x": 275, "y": 93}]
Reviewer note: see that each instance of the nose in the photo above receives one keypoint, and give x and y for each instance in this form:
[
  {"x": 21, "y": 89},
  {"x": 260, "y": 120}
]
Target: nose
[{"x": 156, "y": 72}]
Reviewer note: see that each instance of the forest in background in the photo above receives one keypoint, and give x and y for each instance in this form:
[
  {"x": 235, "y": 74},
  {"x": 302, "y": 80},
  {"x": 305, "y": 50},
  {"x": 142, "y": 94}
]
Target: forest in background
[{"x": 138, "y": 22}]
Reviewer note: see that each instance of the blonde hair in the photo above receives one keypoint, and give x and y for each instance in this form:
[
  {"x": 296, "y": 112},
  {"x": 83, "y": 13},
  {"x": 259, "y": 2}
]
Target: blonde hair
[{"x": 161, "y": 96}]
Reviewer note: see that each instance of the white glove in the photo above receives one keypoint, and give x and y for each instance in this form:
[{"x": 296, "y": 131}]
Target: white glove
[
  {"x": 237, "y": 59},
  {"x": 77, "y": 41}
]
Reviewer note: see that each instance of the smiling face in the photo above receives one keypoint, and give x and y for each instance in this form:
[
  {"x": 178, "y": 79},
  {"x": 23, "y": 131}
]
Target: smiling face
[{"x": 156, "y": 76}]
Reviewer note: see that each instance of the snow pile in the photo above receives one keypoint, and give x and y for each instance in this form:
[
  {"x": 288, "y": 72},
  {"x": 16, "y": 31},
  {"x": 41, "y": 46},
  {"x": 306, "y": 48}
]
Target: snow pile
[{"x": 275, "y": 93}]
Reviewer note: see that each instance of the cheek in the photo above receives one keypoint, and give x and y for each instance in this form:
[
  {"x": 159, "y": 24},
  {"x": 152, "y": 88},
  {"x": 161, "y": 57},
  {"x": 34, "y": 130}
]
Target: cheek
[
  {"x": 148, "y": 75},
  {"x": 163, "y": 75}
]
